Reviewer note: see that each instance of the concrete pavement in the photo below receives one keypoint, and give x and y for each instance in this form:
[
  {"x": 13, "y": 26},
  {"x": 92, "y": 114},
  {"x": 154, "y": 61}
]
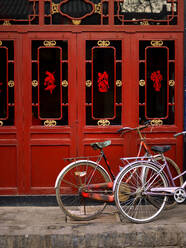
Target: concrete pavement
[{"x": 46, "y": 227}]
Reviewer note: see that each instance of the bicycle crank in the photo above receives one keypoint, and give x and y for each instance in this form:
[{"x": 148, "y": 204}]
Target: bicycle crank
[{"x": 179, "y": 195}]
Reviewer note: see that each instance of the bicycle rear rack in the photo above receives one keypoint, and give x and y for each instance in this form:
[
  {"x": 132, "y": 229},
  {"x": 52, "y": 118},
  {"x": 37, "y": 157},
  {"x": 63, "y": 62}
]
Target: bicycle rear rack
[{"x": 81, "y": 158}]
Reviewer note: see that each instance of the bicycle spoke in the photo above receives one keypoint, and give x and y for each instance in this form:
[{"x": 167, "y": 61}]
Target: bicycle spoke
[
  {"x": 71, "y": 192},
  {"x": 139, "y": 205}
]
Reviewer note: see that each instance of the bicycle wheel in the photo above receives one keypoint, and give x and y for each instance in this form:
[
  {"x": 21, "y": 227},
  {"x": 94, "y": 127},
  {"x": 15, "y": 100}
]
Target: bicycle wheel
[
  {"x": 132, "y": 192},
  {"x": 73, "y": 184},
  {"x": 175, "y": 170}
]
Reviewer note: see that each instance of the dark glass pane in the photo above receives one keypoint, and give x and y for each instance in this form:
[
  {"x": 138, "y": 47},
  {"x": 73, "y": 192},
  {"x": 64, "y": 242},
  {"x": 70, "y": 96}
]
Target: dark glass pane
[
  {"x": 35, "y": 45},
  {"x": 142, "y": 46},
  {"x": 105, "y": 21},
  {"x": 34, "y": 95},
  {"x": 35, "y": 119},
  {"x": 118, "y": 71},
  {"x": 65, "y": 95},
  {"x": 34, "y": 87},
  {"x": 65, "y": 71},
  {"x": 11, "y": 78},
  {"x": 156, "y": 88},
  {"x": 76, "y": 9},
  {"x": 103, "y": 82},
  {"x": 34, "y": 71},
  {"x": 19, "y": 11},
  {"x": 117, "y": 45},
  {"x": 10, "y": 45},
  {"x": 49, "y": 83},
  {"x": 170, "y": 45},
  {"x": 65, "y": 78},
  {"x": 170, "y": 120},
  {"x": 141, "y": 82},
  {"x": 171, "y": 82},
  {"x": 64, "y": 45},
  {"x": 81, "y": 10},
  {"x": 64, "y": 120},
  {"x": 171, "y": 71},
  {"x": 92, "y": 20},
  {"x": 142, "y": 71},
  {"x": 141, "y": 94},
  {"x": 89, "y": 120},
  {"x": 105, "y": 8},
  {"x": 88, "y": 71},
  {"x": 118, "y": 95},
  {"x": 117, "y": 120},
  {"x": 3, "y": 83},
  {"x": 88, "y": 94},
  {"x": 10, "y": 120},
  {"x": 89, "y": 45},
  {"x": 142, "y": 117},
  {"x": 15, "y": 9},
  {"x": 119, "y": 88},
  {"x": 171, "y": 94}
]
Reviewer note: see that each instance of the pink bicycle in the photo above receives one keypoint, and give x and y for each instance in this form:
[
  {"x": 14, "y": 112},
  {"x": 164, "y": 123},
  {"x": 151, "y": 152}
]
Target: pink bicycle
[{"x": 142, "y": 188}]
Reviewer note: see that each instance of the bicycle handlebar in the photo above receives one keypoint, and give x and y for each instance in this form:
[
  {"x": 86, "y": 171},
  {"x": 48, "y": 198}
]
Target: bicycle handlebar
[
  {"x": 129, "y": 129},
  {"x": 182, "y": 133}
]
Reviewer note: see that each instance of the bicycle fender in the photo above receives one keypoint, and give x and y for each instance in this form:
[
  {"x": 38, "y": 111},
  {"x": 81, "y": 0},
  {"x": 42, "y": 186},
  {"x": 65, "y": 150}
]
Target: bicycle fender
[{"x": 78, "y": 161}]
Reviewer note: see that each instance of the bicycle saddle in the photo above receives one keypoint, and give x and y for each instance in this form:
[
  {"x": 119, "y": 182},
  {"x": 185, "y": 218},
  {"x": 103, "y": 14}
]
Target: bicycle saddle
[
  {"x": 161, "y": 149},
  {"x": 100, "y": 145}
]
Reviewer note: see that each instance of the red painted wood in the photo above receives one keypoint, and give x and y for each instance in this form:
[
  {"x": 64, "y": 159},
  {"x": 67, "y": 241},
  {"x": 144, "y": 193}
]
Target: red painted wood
[{"x": 32, "y": 156}]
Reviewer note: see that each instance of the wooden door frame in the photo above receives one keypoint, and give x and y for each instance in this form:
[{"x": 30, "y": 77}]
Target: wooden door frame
[
  {"x": 169, "y": 130},
  {"x": 11, "y": 136},
  {"x": 110, "y": 131},
  {"x": 40, "y": 135}
]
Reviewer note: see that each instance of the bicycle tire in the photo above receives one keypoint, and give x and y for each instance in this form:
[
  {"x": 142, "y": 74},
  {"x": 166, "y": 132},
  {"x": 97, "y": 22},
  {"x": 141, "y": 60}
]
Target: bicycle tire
[
  {"x": 134, "y": 203},
  {"x": 69, "y": 187},
  {"x": 175, "y": 170}
]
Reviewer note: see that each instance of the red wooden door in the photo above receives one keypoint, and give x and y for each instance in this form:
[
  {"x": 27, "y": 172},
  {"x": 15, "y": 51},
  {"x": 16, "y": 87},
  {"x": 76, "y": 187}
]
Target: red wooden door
[
  {"x": 50, "y": 109},
  {"x": 104, "y": 93},
  {"x": 77, "y": 88},
  {"x": 129, "y": 61}
]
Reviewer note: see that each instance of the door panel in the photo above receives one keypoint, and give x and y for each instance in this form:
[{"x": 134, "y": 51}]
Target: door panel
[
  {"x": 50, "y": 124},
  {"x": 157, "y": 81},
  {"x": 104, "y": 89},
  {"x": 160, "y": 91},
  {"x": 10, "y": 124}
]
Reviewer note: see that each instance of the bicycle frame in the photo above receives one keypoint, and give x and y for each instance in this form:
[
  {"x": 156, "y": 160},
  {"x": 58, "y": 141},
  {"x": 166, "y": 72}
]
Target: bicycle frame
[
  {"x": 111, "y": 185},
  {"x": 88, "y": 192},
  {"x": 166, "y": 190}
]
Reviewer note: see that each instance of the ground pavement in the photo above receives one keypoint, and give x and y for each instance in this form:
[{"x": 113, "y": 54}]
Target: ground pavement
[{"x": 46, "y": 227}]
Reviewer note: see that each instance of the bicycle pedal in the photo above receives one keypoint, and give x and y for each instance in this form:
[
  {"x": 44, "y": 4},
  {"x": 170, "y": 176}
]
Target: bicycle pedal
[{"x": 179, "y": 195}]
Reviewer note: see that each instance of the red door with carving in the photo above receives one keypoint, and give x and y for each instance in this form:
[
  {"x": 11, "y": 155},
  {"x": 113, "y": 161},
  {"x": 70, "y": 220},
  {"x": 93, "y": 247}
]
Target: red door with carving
[
  {"x": 126, "y": 80},
  {"x": 74, "y": 72}
]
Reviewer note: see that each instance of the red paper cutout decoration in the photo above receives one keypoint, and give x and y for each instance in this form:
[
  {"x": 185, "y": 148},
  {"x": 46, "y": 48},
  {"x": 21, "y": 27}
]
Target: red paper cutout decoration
[
  {"x": 156, "y": 77},
  {"x": 103, "y": 84},
  {"x": 49, "y": 81}
]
